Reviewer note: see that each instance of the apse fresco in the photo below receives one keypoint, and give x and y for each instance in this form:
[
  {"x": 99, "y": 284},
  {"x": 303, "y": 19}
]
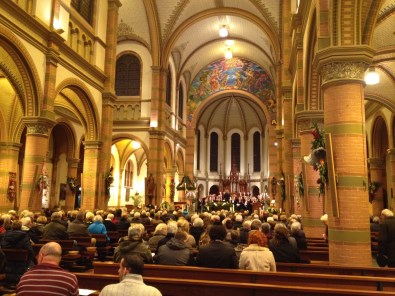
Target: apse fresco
[{"x": 236, "y": 73}]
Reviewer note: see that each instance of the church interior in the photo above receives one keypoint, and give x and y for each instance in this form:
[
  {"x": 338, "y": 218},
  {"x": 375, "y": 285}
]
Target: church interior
[{"x": 113, "y": 103}]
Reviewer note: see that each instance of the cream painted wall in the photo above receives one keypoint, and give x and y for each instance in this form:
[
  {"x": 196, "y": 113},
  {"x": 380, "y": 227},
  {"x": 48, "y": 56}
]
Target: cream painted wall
[
  {"x": 101, "y": 33},
  {"x": 42, "y": 10},
  {"x": 113, "y": 201}
]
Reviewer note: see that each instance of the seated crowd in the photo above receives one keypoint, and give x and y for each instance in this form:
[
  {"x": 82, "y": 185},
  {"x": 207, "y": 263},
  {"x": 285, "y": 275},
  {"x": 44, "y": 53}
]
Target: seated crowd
[{"x": 221, "y": 239}]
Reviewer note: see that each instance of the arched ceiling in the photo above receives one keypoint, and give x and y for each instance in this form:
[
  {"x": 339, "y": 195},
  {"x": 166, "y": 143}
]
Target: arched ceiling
[
  {"x": 232, "y": 112},
  {"x": 188, "y": 31},
  {"x": 253, "y": 25}
]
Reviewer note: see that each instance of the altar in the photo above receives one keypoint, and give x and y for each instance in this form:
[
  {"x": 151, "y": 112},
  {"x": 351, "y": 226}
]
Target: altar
[{"x": 234, "y": 184}]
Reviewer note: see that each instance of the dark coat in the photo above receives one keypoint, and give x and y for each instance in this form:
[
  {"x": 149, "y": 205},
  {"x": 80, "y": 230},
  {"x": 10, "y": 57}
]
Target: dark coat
[
  {"x": 164, "y": 240},
  {"x": 174, "y": 252},
  {"x": 196, "y": 232},
  {"x": 283, "y": 251},
  {"x": 109, "y": 225},
  {"x": 387, "y": 239},
  {"x": 77, "y": 228},
  {"x": 300, "y": 238},
  {"x": 18, "y": 239},
  {"x": 55, "y": 231},
  {"x": 128, "y": 247},
  {"x": 217, "y": 254}
]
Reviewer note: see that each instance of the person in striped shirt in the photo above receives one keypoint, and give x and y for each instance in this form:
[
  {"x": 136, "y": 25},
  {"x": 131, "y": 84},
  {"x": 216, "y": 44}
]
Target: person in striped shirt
[{"x": 47, "y": 278}]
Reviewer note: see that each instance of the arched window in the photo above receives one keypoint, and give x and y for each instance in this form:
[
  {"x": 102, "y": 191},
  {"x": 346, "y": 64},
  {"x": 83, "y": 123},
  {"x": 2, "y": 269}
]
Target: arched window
[
  {"x": 84, "y": 8},
  {"x": 128, "y": 76},
  {"x": 168, "y": 87},
  {"x": 180, "y": 101},
  {"x": 198, "y": 151},
  {"x": 213, "y": 152},
  {"x": 235, "y": 153},
  {"x": 257, "y": 151},
  {"x": 129, "y": 174}
]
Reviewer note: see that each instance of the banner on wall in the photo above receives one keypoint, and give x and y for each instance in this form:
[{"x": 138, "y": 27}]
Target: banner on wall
[{"x": 11, "y": 192}]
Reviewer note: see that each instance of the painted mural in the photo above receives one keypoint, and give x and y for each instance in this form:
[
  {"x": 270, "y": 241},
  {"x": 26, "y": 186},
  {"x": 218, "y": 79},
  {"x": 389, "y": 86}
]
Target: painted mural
[{"x": 231, "y": 74}]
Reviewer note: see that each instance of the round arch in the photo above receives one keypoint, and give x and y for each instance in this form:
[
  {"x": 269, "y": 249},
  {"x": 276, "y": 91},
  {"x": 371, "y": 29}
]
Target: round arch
[
  {"x": 379, "y": 138},
  {"x": 21, "y": 71},
  {"x": 77, "y": 98}
]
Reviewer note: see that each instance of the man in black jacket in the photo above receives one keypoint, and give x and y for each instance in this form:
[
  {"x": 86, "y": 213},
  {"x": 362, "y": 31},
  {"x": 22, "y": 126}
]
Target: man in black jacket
[
  {"x": 217, "y": 254},
  {"x": 387, "y": 236}
]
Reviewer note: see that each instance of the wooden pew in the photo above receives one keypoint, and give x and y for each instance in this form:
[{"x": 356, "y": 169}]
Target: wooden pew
[
  {"x": 247, "y": 276},
  {"x": 182, "y": 287},
  {"x": 336, "y": 269},
  {"x": 314, "y": 255},
  {"x": 66, "y": 244}
]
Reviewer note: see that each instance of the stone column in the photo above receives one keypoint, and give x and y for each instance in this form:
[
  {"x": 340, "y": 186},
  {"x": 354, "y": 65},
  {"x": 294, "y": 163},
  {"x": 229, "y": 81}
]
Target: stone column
[
  {"x": 105, "y": 149},
  {"x": 312, "y": 201},
  {"x": 157, "y": 134},
  {"x": 92, "y": 180},
  {"x": 36, "y": 147},
  {"x": 342, "y": 73},
  {"x": 71, "y": 173},
  {"x": 108, "y": 98},
  {"x": 296, "y": 206},
  {"x": 190, "y": 152},
  {"x": 9, "y": 153},
  {"x": 377, "y": 174},
  {"x": 287, "y": 152},
  {"x": 391, "y": 177}
]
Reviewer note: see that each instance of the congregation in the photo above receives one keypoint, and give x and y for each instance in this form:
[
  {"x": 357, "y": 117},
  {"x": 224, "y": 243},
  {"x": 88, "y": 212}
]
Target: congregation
[{"x": 222, "y": 239}]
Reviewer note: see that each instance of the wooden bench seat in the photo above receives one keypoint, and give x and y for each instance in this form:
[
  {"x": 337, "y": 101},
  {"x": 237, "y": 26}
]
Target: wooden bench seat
[
  {"x": 314, "y": 255},
  {"x": 336, "y": 269},
  {"x": 182, "y": 287},
  {"x": 246, "y": 276}
]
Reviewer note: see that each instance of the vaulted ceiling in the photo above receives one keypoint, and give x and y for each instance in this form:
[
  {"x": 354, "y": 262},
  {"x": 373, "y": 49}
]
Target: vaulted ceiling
[{"x": 188, "y": 31}]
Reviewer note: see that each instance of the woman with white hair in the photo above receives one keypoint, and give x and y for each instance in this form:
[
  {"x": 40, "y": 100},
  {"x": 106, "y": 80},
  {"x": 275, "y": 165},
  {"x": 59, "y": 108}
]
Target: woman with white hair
[
  {"x": 134, "y": 245},
  {"x": 97, "y": 227},
  {"x": 299, "y": 235},
  {"x": 159, "y": 233}
]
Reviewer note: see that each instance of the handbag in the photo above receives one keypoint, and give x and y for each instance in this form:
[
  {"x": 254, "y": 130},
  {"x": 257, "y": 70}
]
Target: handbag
[{"x": 381, "y": 259}]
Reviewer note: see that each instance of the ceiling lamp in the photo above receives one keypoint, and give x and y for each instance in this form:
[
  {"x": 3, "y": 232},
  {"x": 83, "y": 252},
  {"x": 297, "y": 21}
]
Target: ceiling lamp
[
  {"x": 228, "y": 53},
  {"x": 223, "y": 31},
  {"x": 135, "y": 145},
  {"x": 372, "y": 77}
]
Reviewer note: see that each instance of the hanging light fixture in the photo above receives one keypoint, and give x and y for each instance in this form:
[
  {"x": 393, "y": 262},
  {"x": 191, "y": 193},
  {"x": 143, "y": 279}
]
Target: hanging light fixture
[
  {"x": 229, "y": 48},
  {"x": 228, "y": 53},
  {"x": 223, "y": 31},
  {"x": 372, "y": 77},
  {"x": 136, "y": 145}
]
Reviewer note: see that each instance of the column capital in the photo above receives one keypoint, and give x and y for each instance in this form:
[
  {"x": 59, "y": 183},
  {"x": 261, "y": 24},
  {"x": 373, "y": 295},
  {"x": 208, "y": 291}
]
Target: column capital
[
  {"x": 114, "y": 4},
  {"x": 343, "y": 63},
  {"x": 391, "y": 153},
  {"x": 108, "y": 99},
  {"x": 305, "y": 120},
  {"x": 73, "y": 162},
  {"x": 376, "y": 163},
  {"x": 38, "y": 125},
  {"x": 92, "y": 144},
  {"x": 10, "y": 145},
  {"x": 295, "y": 143}
]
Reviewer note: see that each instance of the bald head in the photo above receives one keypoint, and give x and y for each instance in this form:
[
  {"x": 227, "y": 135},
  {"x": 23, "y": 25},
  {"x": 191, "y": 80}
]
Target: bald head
[{"x": 50, "y": 253}]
